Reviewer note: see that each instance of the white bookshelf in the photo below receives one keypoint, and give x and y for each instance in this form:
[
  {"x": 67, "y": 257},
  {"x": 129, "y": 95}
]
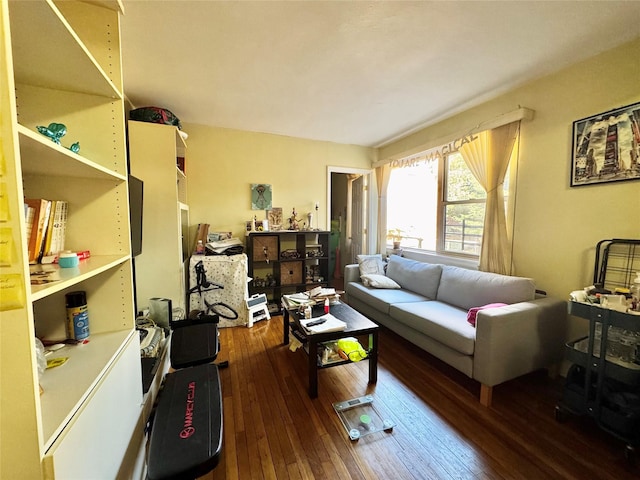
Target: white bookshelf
[
  {"x": 160, "y": 268},
  {"x": 60, "y": 62}
]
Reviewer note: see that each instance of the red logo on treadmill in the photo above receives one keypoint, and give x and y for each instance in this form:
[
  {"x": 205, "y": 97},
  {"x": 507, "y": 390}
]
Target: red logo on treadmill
[{"x": 188, "y": 428}]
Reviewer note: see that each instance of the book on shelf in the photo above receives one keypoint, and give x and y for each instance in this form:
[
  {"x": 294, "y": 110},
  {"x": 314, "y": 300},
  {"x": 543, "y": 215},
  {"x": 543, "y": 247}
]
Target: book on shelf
[
  {"x": 29, "y": 212},
  {"x": 59, "y": 227},
  {"x": 38, "y": 226},
  {"x": 46, "y": 223},
  {"x": 45, "y": 249},
  {"x": 323, "y": 324}
]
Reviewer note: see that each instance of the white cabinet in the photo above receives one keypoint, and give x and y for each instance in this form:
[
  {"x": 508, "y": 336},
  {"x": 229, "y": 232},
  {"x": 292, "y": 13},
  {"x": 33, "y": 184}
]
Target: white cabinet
[
  {"x": 60, "y": 62},
  {"x": 160, "y": 268}
]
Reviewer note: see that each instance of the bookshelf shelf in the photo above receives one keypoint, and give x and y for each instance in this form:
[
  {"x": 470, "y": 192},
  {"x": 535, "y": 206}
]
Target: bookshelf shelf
[
  {"x": 70, "y": 277},
  {"x": 61, "y": 162}
]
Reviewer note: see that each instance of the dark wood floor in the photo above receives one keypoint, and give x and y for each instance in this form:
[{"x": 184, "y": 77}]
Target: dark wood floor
[{"x": 273, "y": 430}]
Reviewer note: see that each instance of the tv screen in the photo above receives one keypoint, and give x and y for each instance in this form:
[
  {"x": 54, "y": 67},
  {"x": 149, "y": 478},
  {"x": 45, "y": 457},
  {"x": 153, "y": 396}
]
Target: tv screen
[{"x": 136, "y": 187}]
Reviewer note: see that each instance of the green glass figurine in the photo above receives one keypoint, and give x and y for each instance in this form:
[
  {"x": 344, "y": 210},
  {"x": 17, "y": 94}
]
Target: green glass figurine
[{"x": 55, "y": 131}]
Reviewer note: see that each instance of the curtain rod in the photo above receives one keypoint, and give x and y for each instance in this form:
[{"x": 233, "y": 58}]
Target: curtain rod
[{"x": 521, "y": 113}]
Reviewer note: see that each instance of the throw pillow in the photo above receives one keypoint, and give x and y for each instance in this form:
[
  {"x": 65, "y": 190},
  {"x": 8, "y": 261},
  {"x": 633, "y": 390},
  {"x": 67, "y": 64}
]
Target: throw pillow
[
  {"x": 419, "y": 277},
  {"x": 473, "y": 312},
  {"x": 370, "y": 264},
  {"x": 378, "y": 281}
]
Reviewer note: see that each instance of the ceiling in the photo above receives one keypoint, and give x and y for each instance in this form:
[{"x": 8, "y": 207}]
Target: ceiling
[{"x": 353, "y": 72}]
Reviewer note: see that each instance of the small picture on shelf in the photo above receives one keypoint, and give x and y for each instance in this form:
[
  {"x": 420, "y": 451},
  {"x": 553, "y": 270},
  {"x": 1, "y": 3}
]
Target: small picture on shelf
[{"x": 275, "y": 218}]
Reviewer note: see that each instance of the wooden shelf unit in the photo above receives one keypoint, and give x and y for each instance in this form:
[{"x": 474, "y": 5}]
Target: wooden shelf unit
[{"x": 288, "y": 273}]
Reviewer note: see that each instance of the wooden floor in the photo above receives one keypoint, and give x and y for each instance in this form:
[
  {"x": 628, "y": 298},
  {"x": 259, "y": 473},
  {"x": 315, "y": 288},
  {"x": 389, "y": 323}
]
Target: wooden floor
[{"x": 272, "y": 430}]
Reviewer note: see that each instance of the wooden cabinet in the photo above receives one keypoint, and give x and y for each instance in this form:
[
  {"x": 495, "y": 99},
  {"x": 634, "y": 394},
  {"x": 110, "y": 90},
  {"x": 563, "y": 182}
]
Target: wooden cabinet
[
  {"x": 60, "y": 63},
  {"x": 160, "y": 270},
  {"x": 287, "y": 261}
]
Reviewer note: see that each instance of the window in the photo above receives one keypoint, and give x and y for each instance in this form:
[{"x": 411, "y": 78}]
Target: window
[
  {"x": 412, "y": 205},
  {"x": 463, "y": 208},
  {"x": 434, "y": 202}
]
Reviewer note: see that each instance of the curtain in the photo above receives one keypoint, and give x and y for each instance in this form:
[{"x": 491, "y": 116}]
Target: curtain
[
  {"x": 488, "y": 159},
  {"x": 383, "y": 172}
]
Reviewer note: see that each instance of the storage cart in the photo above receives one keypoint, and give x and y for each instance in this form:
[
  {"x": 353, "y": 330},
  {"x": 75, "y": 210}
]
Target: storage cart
[{"x": 604, "y": 379}]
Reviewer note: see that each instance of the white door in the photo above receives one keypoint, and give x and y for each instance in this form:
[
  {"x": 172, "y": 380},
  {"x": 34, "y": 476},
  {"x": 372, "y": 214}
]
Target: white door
[{"x": 357, "y": 233}]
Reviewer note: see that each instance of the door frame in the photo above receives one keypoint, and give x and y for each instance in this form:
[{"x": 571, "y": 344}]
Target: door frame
[{"x": 371, "y": 198}]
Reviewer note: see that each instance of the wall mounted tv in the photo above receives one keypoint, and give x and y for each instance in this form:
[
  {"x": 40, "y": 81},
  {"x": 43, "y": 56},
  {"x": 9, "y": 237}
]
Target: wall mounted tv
[{"x": 136, "y": 190}]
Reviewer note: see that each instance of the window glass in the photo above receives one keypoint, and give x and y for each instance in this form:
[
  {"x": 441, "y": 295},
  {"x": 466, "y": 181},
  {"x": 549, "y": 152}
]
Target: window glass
[
  {"x": 463, "y": 208},
  {"x": 412, "y": 205}
]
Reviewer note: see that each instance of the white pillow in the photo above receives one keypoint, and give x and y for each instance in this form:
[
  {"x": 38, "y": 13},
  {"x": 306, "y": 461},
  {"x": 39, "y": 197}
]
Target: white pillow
[
  {"x": 371, "y": 264},
  {"x": 378, "y": 281}
]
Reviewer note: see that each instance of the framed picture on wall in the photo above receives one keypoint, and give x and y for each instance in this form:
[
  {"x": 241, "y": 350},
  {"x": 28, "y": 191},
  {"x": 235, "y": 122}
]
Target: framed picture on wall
[
  {"x": 261, "y": 196},
  {"x": 606, "y": 147}
]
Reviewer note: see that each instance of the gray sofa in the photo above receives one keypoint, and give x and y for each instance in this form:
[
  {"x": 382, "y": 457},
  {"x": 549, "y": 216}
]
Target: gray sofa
[{"x": 431, "y": 308}]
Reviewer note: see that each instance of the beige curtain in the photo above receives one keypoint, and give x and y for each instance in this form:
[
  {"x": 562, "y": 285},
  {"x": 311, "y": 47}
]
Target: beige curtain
[
  {"x": 488, "y": 159},
  {"x": 383, "y": 173}
]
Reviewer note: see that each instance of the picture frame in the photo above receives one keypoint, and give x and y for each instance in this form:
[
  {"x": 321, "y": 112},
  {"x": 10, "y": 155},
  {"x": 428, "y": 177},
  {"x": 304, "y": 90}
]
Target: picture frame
[
  {"x": 606, "y": 147},
  {"x": 261, "y": 196},
  {"x": 275, "y": 218}
]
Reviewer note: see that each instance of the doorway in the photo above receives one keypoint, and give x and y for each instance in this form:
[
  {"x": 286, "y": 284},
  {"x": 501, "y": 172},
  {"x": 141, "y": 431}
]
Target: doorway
[{"x": 350, "y": 208}]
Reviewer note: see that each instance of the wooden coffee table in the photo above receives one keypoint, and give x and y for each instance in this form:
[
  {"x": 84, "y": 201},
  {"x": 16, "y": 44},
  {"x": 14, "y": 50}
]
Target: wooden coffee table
[{"x": 357, "y": 325}]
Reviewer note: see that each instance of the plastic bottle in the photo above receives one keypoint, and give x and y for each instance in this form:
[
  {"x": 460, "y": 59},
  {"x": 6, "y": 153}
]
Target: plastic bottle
[
  {"x": 326, "y": 305},
  {"x": 200, "y": 248}
]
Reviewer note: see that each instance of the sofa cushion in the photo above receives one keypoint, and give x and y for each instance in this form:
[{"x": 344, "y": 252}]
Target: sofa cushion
[
  {"x": 371, "y": 264},
  {"x": 380, "y": 299},
  {"x": 465, "y": 288},
  {"x": 444, "y": 323},
  {"x": 419, "y": 277},
  {"x": 378, "y": 281}
]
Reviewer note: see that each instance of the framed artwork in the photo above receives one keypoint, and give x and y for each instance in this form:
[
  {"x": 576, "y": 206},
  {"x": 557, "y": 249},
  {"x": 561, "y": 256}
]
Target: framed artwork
[
  {"x": 606, "y": 147},
  {"x": 275, "y": 218},
  {"x": 261, "y": 196}
]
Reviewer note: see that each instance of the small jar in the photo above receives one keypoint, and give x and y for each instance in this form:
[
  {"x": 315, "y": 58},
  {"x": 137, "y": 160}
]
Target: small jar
[{"x": 68, "y": 259}]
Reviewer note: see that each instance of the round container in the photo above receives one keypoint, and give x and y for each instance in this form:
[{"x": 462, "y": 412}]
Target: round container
[
  {"x": 77, "y": 315},
  {"x": 68, "y": 259}
]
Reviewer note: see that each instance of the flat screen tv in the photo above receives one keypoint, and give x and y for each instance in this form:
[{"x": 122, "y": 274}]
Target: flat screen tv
[{"x": 136, "y": 190}]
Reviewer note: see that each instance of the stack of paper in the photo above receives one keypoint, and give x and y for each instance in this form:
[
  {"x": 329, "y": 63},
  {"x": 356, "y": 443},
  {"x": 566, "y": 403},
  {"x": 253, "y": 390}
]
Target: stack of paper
[
  {"x": 297, "y": 299},
  {"x": 324, "y": 324}
]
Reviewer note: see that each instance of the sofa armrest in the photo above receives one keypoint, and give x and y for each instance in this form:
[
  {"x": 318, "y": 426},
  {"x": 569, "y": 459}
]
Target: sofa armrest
[
  {"x": 517, "y": 339},
  {"x": 351, "y": 273}
]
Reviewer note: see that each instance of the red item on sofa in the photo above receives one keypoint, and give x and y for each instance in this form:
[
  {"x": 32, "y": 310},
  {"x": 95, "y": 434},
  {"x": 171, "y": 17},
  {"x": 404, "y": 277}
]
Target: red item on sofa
[{"x": 473, "y": 312}]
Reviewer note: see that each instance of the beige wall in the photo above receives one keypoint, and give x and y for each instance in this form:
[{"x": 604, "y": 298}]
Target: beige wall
[
  {"x": 557, "y": 227},
  {"x": 223, "y": 163}
]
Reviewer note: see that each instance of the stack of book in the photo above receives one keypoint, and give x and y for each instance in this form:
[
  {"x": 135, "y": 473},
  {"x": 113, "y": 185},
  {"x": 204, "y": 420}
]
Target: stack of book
[
  {"x": 46, "y": 222},
  {"x": 324, "y": 324}
]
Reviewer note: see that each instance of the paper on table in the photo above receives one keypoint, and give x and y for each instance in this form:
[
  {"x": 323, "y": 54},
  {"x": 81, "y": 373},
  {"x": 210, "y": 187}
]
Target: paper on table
[{"x": 330, "y": 324}]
